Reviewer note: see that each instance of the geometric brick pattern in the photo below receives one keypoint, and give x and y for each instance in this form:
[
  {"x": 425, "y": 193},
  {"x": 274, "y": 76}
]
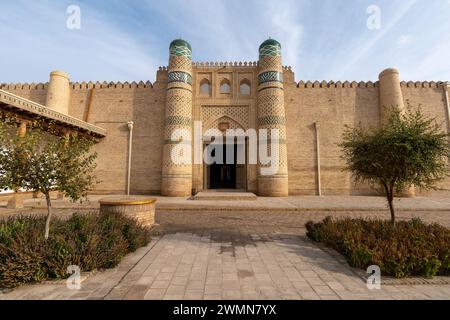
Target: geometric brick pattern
[
  {"x": 178, "y": 121},
  {"x": 180, "y": 64},
  {"x": 178, "y": 103},
  {"x": 268, "y": 62},
  {"x": 272, "y": 120},
  {"x": 269, "y": 103},
  {"x": 211, "y": 115}
]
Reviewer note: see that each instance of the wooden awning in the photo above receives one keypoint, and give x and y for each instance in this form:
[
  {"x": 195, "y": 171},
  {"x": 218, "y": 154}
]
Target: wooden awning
[{"x": 21, "y": 106}]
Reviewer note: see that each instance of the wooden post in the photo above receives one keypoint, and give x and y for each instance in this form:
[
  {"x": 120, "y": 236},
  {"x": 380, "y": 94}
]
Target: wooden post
[{"x": 22, "y": 129}]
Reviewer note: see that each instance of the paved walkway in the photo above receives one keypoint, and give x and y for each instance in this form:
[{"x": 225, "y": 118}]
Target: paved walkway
[
  {"x": 237, "y": 255},
  {"x": 289, "y": 204}
]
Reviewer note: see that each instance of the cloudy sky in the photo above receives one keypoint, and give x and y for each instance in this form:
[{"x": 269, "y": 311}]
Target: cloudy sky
[{"x": 321, "y": 39}]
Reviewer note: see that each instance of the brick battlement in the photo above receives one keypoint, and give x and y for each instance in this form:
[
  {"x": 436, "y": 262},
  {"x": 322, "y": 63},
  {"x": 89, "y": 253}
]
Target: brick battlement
[
  {"x": 148, "y": 84},
  {"x": 226, "y": 64},
  {"x": 338, "y": 84},
  {"x": 251, "y": 64},
  {"x": 363, "y": 84},
  {"x": 78, "y": 85}
]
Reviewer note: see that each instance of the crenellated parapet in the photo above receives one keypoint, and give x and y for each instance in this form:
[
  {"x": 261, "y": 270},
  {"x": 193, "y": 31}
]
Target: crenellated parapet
[
  {"x": 149, "y": 84},
  {"x": 111, "y": 85},
  {"x": 363, "y": 84},
  {"x": 212, "y": 64},
  {"x": 78, "y": 85},
  {"x": 339, "y": 84},
  {"x": 23, "y": 86},
  {"x": 422, "y": 84}
]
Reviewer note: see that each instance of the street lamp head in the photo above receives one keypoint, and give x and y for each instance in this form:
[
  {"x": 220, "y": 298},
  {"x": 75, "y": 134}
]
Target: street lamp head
[{"x": 130, "y": 125}]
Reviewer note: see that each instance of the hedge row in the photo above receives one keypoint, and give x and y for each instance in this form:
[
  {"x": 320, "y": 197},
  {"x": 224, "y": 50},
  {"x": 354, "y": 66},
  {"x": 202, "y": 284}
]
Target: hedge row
[
  {"x": 410, "y": 248},
  {"x": 90, "y": 241}
]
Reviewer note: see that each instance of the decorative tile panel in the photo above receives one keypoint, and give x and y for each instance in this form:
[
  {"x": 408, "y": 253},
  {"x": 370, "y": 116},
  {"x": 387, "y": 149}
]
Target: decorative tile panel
[
  {"x": 179, "y": 76},
  {"x": 180, "y": 51},
  {"x": 270, "y": 50},
  {"x": 270, "y": 76}
]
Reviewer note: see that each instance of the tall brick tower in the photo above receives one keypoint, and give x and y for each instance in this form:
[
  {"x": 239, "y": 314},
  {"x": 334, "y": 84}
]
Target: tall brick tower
[
  {"x": 391, "y": 97},
  {"x": 271, "y": 115},
  {"x": 58, "y": 92},
  {"x": 177, "y": 177}
]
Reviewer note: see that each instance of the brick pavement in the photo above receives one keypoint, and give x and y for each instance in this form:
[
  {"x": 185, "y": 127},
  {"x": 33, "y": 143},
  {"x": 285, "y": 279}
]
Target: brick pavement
[{"x": 236, "y": 255}]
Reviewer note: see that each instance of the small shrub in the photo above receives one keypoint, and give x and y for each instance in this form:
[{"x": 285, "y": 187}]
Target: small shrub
[
  {"x": 88, "y": 241},
  {"x": 409, "y": 248}
]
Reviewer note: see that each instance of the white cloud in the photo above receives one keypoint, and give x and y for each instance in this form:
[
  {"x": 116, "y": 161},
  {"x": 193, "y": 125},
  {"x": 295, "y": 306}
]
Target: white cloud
[
  {"x": 363, "y": 50},
  {"x": 435, "y": 65},
  {"x": 42, "y": 43},
  {"x": 286, "y": 28},
  {"x": 129, "y": 40}
]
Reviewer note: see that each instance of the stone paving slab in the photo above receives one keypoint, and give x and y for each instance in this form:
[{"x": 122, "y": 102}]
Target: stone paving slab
[
  {"x": 240, "y": 254},
  {"x": 292, "y": 203},
  {"x": 230, "y": 256}
]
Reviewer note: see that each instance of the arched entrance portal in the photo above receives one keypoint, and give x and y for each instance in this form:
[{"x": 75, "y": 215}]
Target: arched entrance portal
[{"x": 226, "y": 169}]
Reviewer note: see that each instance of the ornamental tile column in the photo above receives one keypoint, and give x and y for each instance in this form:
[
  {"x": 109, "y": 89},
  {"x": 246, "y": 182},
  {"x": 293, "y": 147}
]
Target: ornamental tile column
[
  {"x": 271, "y": 115},
  {"x": 177, "y": 175}
]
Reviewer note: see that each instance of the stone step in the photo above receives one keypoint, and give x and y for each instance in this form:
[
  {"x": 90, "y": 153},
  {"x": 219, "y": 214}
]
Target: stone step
[{"x": 225, "y": 196}]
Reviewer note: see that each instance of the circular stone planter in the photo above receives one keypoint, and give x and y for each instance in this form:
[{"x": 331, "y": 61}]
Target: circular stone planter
[{"x": 140, "y": 208}]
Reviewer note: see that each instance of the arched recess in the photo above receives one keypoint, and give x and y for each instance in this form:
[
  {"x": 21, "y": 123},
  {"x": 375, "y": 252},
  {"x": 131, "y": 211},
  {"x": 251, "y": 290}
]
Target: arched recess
[
  {"x": 225, "y": 86},
  {"x": 245, "y": 87},
  {"x": 205, "y": 87}
]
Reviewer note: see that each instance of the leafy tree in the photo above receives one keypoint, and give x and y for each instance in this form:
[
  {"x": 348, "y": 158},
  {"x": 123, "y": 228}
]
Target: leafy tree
[
  {"x": 13, "y": 162},
  {"x": 45, "y": 161},
  {"x": 410, "y": 149}
]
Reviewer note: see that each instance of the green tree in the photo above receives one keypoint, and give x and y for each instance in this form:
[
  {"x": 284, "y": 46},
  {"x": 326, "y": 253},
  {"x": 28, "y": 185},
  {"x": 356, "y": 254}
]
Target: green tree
[
  {"x": 47, "y": 161},
  {"x": 13, "y": 162},
  {"x": 409, "y": 150}
]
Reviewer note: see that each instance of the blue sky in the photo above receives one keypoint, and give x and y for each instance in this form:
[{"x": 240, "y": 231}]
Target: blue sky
[{"x": 128, "y": 40}]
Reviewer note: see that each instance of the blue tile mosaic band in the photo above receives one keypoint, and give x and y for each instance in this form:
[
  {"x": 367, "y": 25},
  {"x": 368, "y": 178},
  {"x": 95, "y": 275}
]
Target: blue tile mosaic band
[
  {"x": 270, "y": 48},
  {"x": 180, "y": 76},
  {"x": 180, "y": 48},
  {"x": 270, "y": 76}
]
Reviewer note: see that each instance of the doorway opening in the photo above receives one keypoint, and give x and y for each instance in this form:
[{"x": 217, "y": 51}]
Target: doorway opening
[{"x": 226, "y": 175}]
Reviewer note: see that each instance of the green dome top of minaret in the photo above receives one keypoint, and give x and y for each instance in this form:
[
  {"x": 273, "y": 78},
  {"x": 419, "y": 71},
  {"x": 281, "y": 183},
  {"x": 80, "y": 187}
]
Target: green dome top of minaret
[
  {"x": 180, "y": 48},
  {"x": 270, "y": 47}
]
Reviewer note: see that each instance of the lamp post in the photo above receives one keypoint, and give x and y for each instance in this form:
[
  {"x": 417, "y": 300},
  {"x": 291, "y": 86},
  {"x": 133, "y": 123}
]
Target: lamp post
[{"x": 130, "y": 125}]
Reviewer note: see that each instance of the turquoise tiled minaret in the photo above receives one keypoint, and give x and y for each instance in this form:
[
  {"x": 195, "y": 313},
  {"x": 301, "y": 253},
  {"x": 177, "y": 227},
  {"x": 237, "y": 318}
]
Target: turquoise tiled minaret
[
  {"x": 271, "y": 115},
  {"x": 177, "y": 177}
]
